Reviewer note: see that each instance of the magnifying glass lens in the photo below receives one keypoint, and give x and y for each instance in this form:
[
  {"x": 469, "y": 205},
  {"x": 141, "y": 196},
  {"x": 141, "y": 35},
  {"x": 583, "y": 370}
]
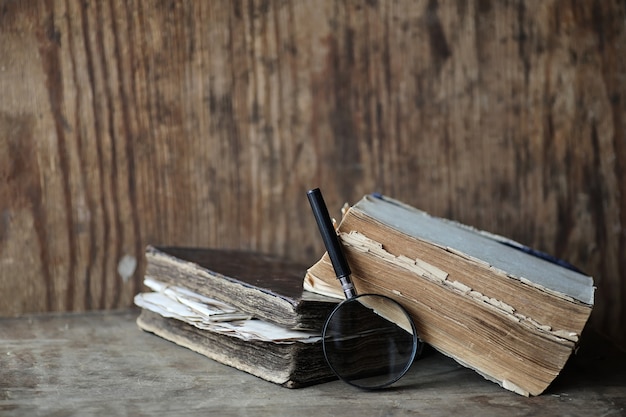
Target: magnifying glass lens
[{"x": 369, "y": 341}]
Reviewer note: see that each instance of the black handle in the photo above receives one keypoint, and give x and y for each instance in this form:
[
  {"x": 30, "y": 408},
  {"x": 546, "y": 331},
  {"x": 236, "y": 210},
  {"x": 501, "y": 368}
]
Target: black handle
[{"x": 329, "y": 236}]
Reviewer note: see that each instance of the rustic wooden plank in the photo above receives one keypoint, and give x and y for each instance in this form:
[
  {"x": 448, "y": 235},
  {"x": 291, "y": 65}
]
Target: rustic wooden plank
[
  {"x": 91, "y": 364},
  {"x": 204, "y": 123}
]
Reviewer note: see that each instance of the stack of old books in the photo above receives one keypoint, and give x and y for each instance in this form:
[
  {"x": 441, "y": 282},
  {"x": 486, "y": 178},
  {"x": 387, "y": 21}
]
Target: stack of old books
[{"x": 512, "y": 314}]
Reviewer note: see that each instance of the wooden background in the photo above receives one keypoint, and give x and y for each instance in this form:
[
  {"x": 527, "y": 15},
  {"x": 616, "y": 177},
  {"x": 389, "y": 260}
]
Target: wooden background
[{"x": 203, "y": 123}]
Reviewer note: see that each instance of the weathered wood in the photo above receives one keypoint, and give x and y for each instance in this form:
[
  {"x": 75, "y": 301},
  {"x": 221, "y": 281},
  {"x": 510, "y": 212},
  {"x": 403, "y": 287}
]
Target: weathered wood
[
  {"x": 97, "y": 364},
  {"x": 204, "y": 123}
]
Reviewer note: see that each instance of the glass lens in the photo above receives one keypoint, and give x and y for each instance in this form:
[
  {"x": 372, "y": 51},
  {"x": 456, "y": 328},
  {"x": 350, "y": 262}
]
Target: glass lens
[{"x": 369, "y": 341}]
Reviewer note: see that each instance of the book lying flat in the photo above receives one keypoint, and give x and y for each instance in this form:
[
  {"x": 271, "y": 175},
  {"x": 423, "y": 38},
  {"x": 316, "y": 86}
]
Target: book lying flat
[
  {"x": 486, "y": 301},
  {"x": 287, "y": 357},
  {"x": 264, "y": 286}
]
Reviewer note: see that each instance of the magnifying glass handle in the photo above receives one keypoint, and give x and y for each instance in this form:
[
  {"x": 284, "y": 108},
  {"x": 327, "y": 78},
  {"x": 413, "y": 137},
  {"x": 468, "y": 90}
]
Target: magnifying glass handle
[{"x": 331, "y": 241}]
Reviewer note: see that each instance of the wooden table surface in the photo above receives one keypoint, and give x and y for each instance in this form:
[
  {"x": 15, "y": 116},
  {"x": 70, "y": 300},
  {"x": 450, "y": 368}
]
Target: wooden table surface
[{"x": 101, "y": 364}]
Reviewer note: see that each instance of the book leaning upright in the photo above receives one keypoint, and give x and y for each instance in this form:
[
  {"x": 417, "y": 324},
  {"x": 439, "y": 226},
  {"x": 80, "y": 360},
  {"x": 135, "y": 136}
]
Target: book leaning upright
[{"x": 512, "y": 316}]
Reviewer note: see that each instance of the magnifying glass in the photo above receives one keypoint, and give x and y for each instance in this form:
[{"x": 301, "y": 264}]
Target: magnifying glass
[{"x": 369, "y": 340}]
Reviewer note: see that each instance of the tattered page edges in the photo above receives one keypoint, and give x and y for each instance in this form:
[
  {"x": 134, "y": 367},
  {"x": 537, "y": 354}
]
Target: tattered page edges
[{"x": 205, "y": 313}]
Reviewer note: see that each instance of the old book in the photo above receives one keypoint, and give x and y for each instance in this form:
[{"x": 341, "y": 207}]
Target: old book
[
  {"x": 479, "y": 298},
  {"x": 291, "y": 358},
  {"x": 265, "y": 286}
]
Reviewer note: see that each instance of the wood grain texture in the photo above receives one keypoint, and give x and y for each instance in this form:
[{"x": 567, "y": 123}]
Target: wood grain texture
[
  {"x": 101, "y": 364},
  {"x": 204, "y": 123}
]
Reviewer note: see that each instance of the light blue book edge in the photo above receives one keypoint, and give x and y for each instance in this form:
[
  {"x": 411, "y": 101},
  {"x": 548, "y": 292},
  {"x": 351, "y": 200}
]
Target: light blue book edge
[{"x": 516, "y": 260}]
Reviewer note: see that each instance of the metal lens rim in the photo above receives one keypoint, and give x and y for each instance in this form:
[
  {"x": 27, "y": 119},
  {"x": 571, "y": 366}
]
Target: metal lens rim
[{"x": 400, "y": 374}]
